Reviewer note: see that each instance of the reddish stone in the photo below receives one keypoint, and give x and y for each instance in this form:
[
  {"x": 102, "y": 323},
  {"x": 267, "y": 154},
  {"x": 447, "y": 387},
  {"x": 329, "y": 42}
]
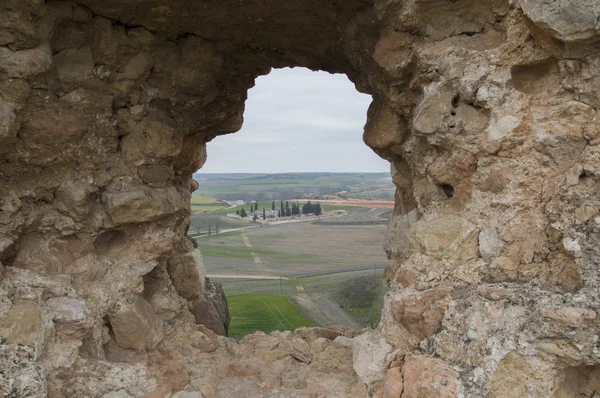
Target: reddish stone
[
  {"x": 496, "y": 181},
  {"x": 422, "y": 313},
  {"x": 392, "y": 384}
]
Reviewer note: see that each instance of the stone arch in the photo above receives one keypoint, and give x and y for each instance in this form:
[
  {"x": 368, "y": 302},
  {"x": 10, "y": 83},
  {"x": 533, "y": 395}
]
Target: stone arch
[{"x": 105, "y": 109}]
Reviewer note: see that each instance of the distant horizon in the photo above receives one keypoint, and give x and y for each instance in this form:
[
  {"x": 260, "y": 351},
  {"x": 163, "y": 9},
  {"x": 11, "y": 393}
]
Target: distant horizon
[{"x": 293, "y": 172}]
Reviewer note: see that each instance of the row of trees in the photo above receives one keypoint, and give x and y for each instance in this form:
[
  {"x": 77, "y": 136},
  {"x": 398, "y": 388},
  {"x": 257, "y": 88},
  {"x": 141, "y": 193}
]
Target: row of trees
[
  {"x": 311, "y": 208},
  {"x": 283, "y": 210}
]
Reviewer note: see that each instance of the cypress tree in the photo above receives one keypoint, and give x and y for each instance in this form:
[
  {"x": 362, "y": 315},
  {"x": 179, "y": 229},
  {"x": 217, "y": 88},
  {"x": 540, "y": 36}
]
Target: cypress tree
[
  {"x": 264, "y": 214},
  {"x": 243, "y": 213},
  {"x": 273, "y": 206}
]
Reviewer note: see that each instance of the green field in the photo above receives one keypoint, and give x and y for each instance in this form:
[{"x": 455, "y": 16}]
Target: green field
[
  {"x": 202, "y": 200},
  {"x": 206, "y": 204},
  {"x": 330, "y": 273},
  {"x": 252, "y": 312},
  {"x": 359, "y": 216},
  {"x": 239, "y": 252},
  {"x": 200, "y": 223}
]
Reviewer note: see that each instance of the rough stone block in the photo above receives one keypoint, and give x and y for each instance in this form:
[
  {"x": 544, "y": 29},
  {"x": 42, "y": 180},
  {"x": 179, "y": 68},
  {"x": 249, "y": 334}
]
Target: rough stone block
[
  {"x": 25, "y": 63},
  {"x": 449, "y": 236},
  {"x": 23, "y": 325},
  {"x": 429, "y": 377},
  {"x": 66, "y": 309},
  {"x": 566, "y": 20},
  {"x": 155, "y": 174},
  {"x": 385, "y": 127},
  {"x": 142, "y": 204},
  {"x": 74, "y": 195},
  {"x": 74, "y": 64},
  {"x": 490, "y": 244},
  {"x": 137, "y": 67},
  {"x": 9, "y": 123},
  {"x": 570, "y": 316},
  {"x": 212, "y": 311},
  {"x": 436, "y": 103},
  {"x": 392, "y": 384},
  {"x": 152, "y": 139},
  {"x": 369, "y": 356},
  {"x": 186, "y": 271},
  {"x": 421, "y": 313},
  {"x": 136, "y": 326}
]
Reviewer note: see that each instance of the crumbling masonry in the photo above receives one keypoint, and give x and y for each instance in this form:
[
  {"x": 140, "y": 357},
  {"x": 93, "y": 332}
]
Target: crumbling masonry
[{"x": 486, "y": 109}]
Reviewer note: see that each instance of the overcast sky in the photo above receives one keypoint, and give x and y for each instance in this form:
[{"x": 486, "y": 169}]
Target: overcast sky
[{"x": 297, "y": 120}]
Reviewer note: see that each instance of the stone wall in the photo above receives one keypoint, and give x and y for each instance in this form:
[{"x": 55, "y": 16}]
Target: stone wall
[{"x": 486, "y": 109}]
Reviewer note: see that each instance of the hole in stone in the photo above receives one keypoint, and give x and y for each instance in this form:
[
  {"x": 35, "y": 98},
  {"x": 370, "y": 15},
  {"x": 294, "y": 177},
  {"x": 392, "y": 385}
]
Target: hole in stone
[
  {"x": 277, "y": 231},
  {"x": 456, "y": 100},
  {"x": 453, "y": 113},
  {"x": 584, "y": 174},
  {"x": 532, "y": 78},
  {"x": 108, "y": 240},
  {"x": 447, "y": 189},
  {"x": 580, "y": 381}
]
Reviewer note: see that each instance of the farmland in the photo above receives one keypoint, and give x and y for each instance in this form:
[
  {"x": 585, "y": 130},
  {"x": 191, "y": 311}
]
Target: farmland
[
  {"x": 251, "y": 312},
  {"x": 200, "y": 223},
  {"x": 206, "y": 204},
  {"x": 294, "y": 249},
  {"x": 332, "y": 274},
  {"x": 295, "y": 271}
]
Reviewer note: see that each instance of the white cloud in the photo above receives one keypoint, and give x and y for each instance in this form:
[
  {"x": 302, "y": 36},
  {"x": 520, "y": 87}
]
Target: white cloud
[{"x": 298, "y": 120}]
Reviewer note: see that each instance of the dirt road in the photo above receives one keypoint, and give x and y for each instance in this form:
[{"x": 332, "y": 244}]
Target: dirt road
[
  {"x": 242, "y": 276},
  {"x": 324, "y": 311}
]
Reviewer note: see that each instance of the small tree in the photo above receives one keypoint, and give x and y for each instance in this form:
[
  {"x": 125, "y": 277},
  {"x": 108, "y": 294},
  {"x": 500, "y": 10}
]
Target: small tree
[
  {"x": 237, "y": 212},
  {"x": 278, "y": 213},
  {"x": 254, "y": 218},
  {"x": 273, "y": 206},
  {"x": 209, "y": 230},
  {"x": 308, "y": 208},
  {"x": 243, "y": 213},
  {"x": 217, "y": 228},
  {"x": 318, "y": 210},
  {"x": 264, "y": 214}
]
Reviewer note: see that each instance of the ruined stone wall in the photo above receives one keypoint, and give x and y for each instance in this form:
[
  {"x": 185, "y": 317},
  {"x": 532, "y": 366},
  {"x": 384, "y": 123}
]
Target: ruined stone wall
[{"x": 486, "y": 110}]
